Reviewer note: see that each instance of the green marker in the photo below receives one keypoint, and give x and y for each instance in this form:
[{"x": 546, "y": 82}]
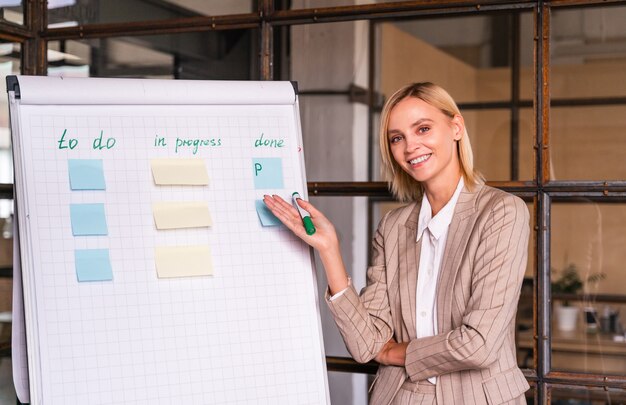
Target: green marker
[{"x": 306, "y": 217}]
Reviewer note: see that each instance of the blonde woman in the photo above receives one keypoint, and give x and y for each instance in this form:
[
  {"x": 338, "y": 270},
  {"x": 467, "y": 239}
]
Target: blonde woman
[{"x": 438, "y": 311}]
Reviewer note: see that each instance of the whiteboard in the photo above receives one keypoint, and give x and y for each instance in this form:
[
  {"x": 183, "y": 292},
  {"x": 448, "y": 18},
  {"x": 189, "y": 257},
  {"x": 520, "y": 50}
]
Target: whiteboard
[{"x": 105, "y": 324}]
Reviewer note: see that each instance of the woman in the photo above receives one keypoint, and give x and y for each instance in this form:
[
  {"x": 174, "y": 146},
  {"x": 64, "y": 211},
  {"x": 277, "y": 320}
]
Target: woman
[{"x": 438, "y": 311}]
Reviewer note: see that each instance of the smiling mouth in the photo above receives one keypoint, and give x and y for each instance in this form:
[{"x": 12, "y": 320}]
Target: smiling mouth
[{"x": 420, "y": 159}]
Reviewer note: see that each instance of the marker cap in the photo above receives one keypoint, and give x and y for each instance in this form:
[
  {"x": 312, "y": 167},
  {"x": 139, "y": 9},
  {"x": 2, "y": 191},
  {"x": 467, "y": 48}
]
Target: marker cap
[{"x": 308, "y": 225}]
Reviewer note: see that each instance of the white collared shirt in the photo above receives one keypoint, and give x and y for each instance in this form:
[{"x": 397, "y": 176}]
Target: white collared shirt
[{"x": 433, "y": 231}]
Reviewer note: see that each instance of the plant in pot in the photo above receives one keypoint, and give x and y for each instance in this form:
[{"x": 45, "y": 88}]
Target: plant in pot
[{"x": 570, "y": 282}]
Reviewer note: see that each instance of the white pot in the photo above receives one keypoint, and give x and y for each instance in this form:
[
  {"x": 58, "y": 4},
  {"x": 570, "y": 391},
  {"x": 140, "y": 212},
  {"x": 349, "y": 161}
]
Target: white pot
[{"x": 566, "y": 318}]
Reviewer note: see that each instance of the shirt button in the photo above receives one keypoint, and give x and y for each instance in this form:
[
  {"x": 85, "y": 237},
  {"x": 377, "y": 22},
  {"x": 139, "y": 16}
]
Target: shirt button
[{"x": 423, "y": 314}]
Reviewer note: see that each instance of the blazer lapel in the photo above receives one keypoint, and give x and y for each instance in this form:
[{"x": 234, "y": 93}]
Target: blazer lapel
[
  {"x": 409, "y": 258},
  {"x": 458, "y": 236}
]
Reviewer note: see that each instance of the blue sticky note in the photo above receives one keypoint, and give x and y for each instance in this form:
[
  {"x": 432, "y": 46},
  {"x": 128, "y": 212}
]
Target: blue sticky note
[
  {"x": 88, "y": 219},
  {"x": 265, "y": 215},
  {"x": 86, "y": 174},
  {"x": 93, "y": 265},
  {"x": 267, "y": 172}
]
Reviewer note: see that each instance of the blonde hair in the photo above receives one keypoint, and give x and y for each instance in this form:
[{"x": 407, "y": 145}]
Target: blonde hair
[{"x": 403, "y": 186}]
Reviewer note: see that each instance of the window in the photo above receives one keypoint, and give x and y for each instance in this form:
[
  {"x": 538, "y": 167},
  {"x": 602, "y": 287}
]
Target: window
[{"x": 541, "y": 85}]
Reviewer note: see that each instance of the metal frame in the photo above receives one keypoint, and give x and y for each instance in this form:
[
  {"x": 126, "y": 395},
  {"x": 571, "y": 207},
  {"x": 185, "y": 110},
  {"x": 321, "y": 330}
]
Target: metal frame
[{"x": 34, "y": 36}]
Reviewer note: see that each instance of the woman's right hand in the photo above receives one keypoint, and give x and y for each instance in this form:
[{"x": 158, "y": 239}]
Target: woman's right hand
[{"x": 325, "y": 237}]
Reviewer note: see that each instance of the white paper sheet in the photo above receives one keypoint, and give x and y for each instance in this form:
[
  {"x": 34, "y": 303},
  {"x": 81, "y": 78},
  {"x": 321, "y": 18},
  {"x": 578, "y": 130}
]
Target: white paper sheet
[{"x": 248, "y": 333}]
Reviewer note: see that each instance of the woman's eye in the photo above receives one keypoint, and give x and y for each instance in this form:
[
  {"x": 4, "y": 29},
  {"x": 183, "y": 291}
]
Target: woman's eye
[
  {"x": 395, "y": 139},
  {"x": 423, "y": 130}
]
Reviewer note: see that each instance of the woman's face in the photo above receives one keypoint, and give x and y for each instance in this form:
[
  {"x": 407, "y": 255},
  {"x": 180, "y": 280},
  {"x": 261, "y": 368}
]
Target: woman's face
[{"x": 422, "y": 141}]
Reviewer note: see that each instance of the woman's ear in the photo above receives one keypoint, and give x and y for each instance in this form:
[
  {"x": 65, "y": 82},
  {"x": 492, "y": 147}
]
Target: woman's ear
[{"x": 458, "y": 125}]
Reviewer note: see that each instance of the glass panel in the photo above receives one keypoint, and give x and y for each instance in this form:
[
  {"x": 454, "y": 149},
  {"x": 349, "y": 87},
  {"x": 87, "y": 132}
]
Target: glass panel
[
  {"x": 524, "y": 320},
  {"x": 228, "y": 55},
  {"x": 531, "y": 393},
  {"x": 349, "y": 216},
  {"x": 588, "y": 52},
  {"x": 9, "y": 65},
  {"x": 525, "y": 149},
  {"x": 468, "y": 56},
  {"x": 7, "y": 392},
  {"x": 562, "y": 395},
  {"x": 334, "y": 123},
  {"x": 12, "y": 11},
  {"x": 62, "y": 13},
  {"x": 490, "y": 133},
  {"x": 375, "y": 169},
  {"x": 588, "y": 48},
  {"x": 379, "y": 209},
  {"x": 588, "y": 281},
  {"x": 471, "y": 57},
  {"x": 348, "y": 388},
  {"x": 588, "y": 143}
]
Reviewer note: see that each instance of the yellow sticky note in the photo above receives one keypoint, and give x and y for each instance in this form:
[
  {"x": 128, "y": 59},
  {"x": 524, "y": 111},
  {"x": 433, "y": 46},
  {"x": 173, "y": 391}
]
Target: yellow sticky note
[
  {"x": 179, "y": 171},
  {"x": 183, "y": 261},
  {"x": 175, "y": 215}
]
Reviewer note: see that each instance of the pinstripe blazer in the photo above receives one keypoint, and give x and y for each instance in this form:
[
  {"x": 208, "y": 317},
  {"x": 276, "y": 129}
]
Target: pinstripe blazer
[{"x": 473, "y": 354}]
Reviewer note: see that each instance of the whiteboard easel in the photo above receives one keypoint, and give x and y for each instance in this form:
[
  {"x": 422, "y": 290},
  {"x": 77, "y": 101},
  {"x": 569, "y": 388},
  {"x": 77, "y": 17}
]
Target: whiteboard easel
[{"x": 248, "y": 333}]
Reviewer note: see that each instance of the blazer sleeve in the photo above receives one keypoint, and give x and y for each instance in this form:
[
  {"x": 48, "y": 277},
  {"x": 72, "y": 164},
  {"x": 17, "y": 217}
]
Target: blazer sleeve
[
  {"x": 498, "y": 269},
  {"x": 365, "y": 321}
]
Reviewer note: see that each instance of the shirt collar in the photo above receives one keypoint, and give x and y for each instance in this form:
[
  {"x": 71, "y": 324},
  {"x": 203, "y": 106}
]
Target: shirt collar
[{"x": 438, "y": 224}]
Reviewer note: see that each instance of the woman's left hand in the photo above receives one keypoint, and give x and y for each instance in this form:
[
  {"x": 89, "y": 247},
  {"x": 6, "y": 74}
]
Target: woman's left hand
[{"x": 392, "y": 354}]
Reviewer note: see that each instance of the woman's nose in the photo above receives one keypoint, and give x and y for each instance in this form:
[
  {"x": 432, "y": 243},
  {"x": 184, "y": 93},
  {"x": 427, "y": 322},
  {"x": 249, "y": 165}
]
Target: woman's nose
[{"x": 412, "y": 143}]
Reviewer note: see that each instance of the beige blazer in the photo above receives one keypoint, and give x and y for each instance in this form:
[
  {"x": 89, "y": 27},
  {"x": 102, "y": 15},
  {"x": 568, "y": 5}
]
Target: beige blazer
[{"x": 473, "y": 354}]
